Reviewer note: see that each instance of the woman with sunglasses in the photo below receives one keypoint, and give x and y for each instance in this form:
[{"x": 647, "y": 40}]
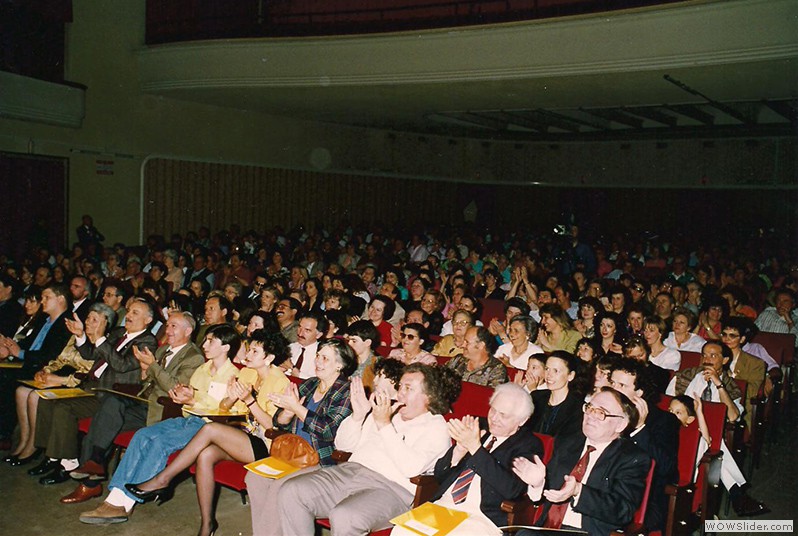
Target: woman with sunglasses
[{"x": 412, "y": 338}]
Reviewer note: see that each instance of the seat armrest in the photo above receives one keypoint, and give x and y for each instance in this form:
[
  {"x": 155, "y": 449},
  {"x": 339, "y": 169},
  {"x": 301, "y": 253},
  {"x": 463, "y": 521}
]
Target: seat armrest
[
  {"x": 340, "y": 456},
  {"x": 426, "y": 486},
  {"x": 273, "y": 433},
  {"x": 171, "y": 408}
]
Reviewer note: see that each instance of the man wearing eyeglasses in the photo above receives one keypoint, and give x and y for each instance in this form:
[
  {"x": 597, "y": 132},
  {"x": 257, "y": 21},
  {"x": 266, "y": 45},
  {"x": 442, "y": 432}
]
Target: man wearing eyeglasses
[{"x": 594, "y": 482}]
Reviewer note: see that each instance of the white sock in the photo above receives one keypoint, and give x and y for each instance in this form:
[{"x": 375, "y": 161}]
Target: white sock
[
  {"x": 70, "y": 465},
  {"x": 117, "y": 497}
]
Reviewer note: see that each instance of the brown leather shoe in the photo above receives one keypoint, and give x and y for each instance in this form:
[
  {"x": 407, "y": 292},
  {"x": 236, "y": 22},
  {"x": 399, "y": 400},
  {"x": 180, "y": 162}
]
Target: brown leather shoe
[
  {"x": 105, "y": 514},
  {"x": 89, "y": 469},
  {"x": 81, "y": 494}
]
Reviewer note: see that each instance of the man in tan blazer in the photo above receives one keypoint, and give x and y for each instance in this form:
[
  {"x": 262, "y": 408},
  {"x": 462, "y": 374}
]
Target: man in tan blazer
[{"x": 171, "y": 364}]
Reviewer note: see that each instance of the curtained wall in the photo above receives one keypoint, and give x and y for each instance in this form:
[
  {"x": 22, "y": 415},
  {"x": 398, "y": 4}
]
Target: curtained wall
[{"x": 183, "y": 195}]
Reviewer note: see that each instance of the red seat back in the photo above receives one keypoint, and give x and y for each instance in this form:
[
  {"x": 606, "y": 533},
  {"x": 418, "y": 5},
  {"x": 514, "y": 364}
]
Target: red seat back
[
  {"x": 781, "y": 346},
  {"x": 715, "y": 415},
  {"x": 640, "y": 514},
  {"x": 548, "y": 446},
  {"x": 690, "y": 360},
  {"x": 689, "y": 437},
  {"x": 442, "y": 359},
  {"x": 491, "y": 309},
  {"x": 473, "y": 400}
]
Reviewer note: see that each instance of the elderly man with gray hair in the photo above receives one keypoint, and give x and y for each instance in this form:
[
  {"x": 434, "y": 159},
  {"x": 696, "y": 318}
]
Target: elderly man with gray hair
[
  {"x": 476, "y": 474},
  {"x": 172, "y": 364}
]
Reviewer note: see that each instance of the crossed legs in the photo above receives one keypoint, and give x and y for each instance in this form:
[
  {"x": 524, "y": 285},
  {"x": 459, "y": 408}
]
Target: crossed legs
[{"x": 213, "y": 443}]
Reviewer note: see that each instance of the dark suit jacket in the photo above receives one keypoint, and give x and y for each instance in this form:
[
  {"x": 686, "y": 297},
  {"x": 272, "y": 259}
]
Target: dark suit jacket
[
  {"x": 613, "y": 490},
  {"x": 55, "y": 341},
  {"x": 659, "y": 438},
  {"x": 83, "y": 310},
  {"x": 159, "y": 379},
  {"x": 568, "y": 420},
  {"x": 10, "y": 314},
  {"x": 660, "y": 376},
  {"x": 123, "y": 367},
  {"x": 495, "y": 469}
]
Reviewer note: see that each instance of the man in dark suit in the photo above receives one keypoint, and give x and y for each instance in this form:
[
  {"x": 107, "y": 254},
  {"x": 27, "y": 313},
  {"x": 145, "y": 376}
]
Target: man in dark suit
[
  {"x": 594, "y": 482},
  {"x": 36, "y": 350},
  {"x": 656, "y": 432},
  {"x": 88, "y": 233},
  {"x": 485, "y": 459},
  {"x": 10, "y": 309},
  {"x": 114, "y": 363},
  {"x": 171, "y": 364},
  {"x": 80, "y": 289}
]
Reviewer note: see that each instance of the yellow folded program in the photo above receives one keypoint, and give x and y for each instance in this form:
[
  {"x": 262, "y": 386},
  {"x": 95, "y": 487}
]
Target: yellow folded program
[
  {"x": 430, "y": 519},
  {"x": 214, "y": 412},
  {"x": 271, "y": 468},
  {"x": 37, "y": 385},
  {"x": 56, "y": 394},
  {"x": 11, "y": 364}
]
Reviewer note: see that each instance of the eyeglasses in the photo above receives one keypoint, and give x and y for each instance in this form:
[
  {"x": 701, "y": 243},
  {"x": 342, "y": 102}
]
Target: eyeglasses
[
  {"x": 730, "y": 335},
  {"x": 461, "y": 323},
  {"x": 598, "y": 413},
  {"x": 408, "y": 336}
]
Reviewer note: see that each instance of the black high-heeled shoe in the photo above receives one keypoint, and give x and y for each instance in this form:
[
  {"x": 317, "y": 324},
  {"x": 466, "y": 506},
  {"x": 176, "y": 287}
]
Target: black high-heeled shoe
[
  {"x": 214, "y": 527},
  {"x": 17, "y": 461},
  {"x": 160, "y": 495}
]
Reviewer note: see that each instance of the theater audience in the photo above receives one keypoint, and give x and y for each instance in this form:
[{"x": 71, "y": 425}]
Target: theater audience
[{"x": 279, "y": 260}]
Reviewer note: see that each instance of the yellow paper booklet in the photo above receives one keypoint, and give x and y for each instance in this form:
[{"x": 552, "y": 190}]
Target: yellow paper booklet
[
  {"x": 36, "y": 385},
  {"x": 121, "y": 393},
  {"x": 430, "y": 520},
  {"x": 214, "y": 412},
  {"x": 53, "y": 394},
  {"x": 11, "y": 364},
  {"x": 271, "y": 468}
]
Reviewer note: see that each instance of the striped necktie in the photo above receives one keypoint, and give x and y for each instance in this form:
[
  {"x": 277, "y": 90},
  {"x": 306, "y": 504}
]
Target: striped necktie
[{"x": 463, "y": 482}]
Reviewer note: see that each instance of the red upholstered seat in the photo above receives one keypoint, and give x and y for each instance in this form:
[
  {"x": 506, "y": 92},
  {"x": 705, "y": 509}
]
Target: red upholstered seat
[
  {"x": 83, "y": 425},
  {"x": 491, "y": 309},
  {"x": 473, "y": 400},
  {"x": 690, "y": 360},
  {"x": 227, "y": 473},
  {"x": 122, "y": 439}
]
